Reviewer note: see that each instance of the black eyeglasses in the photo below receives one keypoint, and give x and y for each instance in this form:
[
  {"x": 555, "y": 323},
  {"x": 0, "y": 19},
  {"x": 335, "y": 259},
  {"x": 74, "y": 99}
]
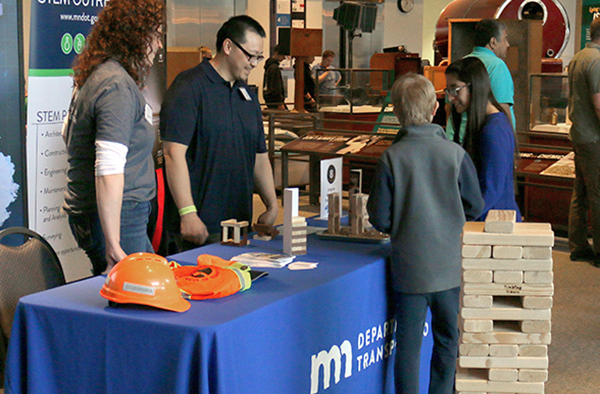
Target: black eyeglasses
[
  {"x": 454, "y": 91},
  {"x": 251, "y": 58}
]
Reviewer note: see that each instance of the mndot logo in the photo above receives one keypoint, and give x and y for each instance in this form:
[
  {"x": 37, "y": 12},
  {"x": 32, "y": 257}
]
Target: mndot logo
[
  {"x": 66, "y": 43},
  {"x": 79, "y": 43}
]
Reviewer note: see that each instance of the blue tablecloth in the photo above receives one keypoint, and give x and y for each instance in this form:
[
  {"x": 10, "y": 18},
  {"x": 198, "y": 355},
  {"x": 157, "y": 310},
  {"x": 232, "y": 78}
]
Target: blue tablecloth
[{"x": 324, "y": 330}]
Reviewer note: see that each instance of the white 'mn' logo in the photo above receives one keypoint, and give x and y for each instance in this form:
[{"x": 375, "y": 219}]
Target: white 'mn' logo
[{"x": 324, "y": 358}]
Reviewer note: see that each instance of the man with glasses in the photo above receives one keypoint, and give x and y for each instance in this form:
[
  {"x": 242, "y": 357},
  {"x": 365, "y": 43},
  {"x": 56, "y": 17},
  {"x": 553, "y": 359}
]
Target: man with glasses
[
  {"x": 491, "y": 45},
  {"x": 214, "y": 145}
]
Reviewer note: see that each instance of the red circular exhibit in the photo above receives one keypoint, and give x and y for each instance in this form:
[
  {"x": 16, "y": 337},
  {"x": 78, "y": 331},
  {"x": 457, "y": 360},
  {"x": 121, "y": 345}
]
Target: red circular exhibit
[{"x": 554, "y": 16}]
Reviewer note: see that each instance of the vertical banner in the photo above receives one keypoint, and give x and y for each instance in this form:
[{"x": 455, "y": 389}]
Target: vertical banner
[
  {"x": 331, "y": 182},
  {"x": 58, "y": 31},
  {"x": 590, "y": 11},
  {"x": 12, "y": 126}
]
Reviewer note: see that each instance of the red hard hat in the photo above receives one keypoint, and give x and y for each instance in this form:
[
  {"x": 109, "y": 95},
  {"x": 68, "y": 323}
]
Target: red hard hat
[{"x": 146, "y": 279}]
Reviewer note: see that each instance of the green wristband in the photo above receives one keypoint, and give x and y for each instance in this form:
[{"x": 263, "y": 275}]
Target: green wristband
[{"x": 188, "y": 209}]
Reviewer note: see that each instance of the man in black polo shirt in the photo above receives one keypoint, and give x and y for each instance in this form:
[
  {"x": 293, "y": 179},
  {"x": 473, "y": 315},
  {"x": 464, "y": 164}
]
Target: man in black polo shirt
[{"x": 214, "y": 145}]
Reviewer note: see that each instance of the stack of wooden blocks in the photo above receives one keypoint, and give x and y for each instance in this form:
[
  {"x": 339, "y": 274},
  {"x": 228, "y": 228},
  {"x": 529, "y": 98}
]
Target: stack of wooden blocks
[
  {"x": 506, "y": 306},
  {"x": 359, "y": 218},
  {"x": 294, "y": 226}
]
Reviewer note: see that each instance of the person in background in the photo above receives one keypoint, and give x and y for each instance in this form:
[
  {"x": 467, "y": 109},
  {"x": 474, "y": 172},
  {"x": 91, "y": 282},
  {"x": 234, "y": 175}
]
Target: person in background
[
  {"x": 425, "y": 188},
  {"x": 584, "y": 112},
  {"x": 310, "y": 103},
  {"x": 205, "y": 52},
  {"x": 491, "y": 45},
  {"x": 214, "y": 144},
  {"x": 489, "y": 137},
  {"x": 273, "y": 88},
  {"x": 109, "y": 133},
  {"x": 329, "y": 79}
]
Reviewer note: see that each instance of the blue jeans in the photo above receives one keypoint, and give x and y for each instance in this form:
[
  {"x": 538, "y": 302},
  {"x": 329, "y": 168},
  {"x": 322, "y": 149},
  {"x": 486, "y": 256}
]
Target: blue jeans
[
  {"x": 87, "y": 231},
  {"x": 411, "y": 312}
]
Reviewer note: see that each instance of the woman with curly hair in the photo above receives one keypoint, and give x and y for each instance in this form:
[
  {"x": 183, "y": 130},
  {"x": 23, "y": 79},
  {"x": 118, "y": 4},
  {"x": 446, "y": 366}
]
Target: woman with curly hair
[
  {"x": 489, "y": 138},
  {"x": 109, "y": 133}
]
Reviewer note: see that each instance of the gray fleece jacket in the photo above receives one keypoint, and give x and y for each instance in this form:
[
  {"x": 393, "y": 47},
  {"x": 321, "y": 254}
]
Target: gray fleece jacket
[{"x": 424, "y": 189}]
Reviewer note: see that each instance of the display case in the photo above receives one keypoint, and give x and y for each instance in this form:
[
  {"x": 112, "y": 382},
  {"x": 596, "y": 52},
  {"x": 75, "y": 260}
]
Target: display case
[
  {"x": 545, "y": 172},
  {"x": 548, "y": 113},
  {"x": 352, "y": 98}
]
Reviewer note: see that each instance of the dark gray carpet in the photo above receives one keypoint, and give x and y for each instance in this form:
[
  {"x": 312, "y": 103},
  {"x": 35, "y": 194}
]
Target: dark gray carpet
[{"x": 575, "y": 349}]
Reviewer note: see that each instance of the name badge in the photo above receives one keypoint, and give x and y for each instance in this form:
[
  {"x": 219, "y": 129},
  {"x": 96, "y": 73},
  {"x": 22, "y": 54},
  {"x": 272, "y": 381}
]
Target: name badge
[
  {"x": 245, "y": 94},
  {"x": 148, "y": 113}
]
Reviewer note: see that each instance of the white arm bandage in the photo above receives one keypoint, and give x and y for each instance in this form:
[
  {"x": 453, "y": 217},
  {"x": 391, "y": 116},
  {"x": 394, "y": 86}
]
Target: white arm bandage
[{"x": 110, "y": 158}]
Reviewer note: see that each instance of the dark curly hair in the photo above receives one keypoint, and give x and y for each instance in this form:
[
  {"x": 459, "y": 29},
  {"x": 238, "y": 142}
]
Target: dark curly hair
[{"x": 123, "y": 32}]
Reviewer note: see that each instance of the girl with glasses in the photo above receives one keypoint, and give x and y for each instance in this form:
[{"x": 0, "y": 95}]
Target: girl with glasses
[{"x": 489, "y": 137}]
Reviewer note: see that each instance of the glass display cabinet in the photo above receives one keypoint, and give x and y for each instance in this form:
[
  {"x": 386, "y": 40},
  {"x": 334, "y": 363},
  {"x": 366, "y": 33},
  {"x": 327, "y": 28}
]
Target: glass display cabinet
[
  {"x": 548, "y": 112},
  {"x": 352, "y": 90},
  {"x": 545, "y": 170},
  {"x": 352, "y": 99}
]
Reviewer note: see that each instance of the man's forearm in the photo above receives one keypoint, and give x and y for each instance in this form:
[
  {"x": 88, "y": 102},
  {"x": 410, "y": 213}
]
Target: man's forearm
[
  {"x": 178, "y": 175},
  {"x": 263, "y": 181}
]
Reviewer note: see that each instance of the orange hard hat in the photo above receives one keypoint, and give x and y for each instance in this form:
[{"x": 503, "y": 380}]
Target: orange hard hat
[{"x": 146, "y": 279}]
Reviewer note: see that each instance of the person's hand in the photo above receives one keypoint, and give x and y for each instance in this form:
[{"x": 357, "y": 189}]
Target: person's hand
[
  {"x": 193, "y": 229},
  {"x": 114, "y": 254},
  {"x": 268, "y": 216}
]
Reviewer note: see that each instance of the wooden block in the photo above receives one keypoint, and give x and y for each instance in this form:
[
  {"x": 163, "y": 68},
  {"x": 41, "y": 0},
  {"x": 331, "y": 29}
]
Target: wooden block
[
  {"x": 505, "y": 308},
  {"x": 505, "y": 314},
  {"x": 507, "y": 252},
  {"x": 299, "y": 220},
  {"x": 507, "y": 264},
  {"x": 533, "y": 375},
  {"x": 470, "y": 392},
  {"x": 506, "y": 337},
  {"x": 504, "y": 350},
  {"x": 477, "y": 276},
  {"x": 478, "y": 325},
  {"x": 499, "y": 289},
  {"x": 533, "y": 350},
  {"x": 508, "y": 277},
  {"x": 477, "y": 301},
  {"x": 503, "y": 375},
  {"x": 525, "y": 234},
  {"x": 535, "y": 326},
  {"x": 539, "y": 277},
  {"x": 477, "y": 251},
  {"x": 533, "y": 302},
  {"x": 477, "y": 380},
  {"x": 537, "y": 252},
  {"x": 500, "y": 221},
  {"x": 290, "y": 212},
  {"x": 503, "y": 362},
  {"x": 471, "y": 349},
  {"x": 507, "y": 333}
]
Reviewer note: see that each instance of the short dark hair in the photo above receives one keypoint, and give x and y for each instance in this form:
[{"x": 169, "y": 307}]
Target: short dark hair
[
  {"x": 595, "y": 29},
  {"x": 486, "y": 29},
  {"x": 236, "y": 28},
  {"x": 328, "y": 53}
]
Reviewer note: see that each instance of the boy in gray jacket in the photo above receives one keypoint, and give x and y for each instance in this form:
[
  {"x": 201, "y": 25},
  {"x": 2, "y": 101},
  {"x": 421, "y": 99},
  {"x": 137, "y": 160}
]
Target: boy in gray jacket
[{"x": 424, "y": 189}]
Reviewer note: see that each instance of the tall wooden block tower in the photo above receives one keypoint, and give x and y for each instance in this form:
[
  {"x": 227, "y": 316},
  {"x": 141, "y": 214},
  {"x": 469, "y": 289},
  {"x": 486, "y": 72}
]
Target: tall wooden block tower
[{"x": 506, "y": 301}]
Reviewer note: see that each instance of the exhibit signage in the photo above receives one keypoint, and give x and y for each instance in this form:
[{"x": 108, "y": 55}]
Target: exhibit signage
[
  {"x": 58, "y": 31},
  {"x": 12, "y": 169},
  {"x": 590, "y": 10},
  {"x": 331, "y": 182}
]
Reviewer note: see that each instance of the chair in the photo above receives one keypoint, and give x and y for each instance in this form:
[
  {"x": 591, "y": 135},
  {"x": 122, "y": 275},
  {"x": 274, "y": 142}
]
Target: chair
[{"x": 28, "y": 268}]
